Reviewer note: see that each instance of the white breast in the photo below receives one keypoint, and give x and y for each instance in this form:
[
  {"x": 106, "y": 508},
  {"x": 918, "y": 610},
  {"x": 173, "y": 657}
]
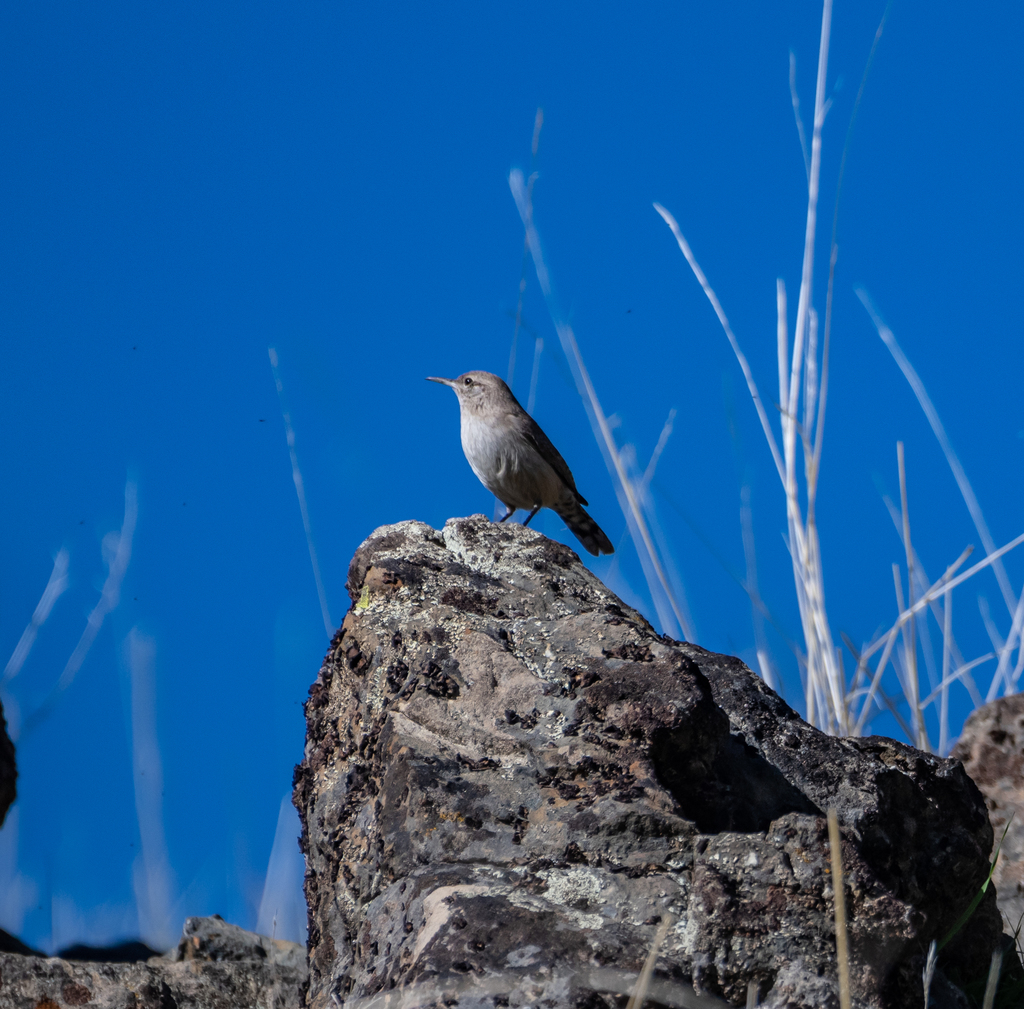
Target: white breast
[{"x": 508, "y": 465}]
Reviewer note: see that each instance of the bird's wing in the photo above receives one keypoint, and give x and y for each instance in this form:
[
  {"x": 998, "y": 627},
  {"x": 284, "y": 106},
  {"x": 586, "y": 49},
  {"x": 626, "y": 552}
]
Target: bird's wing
[{"x": 551, "y": 456}]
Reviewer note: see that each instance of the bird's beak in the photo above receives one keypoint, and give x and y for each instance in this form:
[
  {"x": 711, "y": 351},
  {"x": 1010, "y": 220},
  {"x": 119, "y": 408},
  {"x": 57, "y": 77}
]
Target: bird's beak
[{"x": 450, "y": 382}]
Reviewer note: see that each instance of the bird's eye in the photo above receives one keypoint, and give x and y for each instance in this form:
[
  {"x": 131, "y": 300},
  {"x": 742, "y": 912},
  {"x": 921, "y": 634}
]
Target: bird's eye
[{"x": 467, "y": 381}]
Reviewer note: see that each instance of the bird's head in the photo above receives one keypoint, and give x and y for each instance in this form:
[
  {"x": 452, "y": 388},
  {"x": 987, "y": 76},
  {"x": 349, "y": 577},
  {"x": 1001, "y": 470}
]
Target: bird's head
[{"x": 477, "y": 388}]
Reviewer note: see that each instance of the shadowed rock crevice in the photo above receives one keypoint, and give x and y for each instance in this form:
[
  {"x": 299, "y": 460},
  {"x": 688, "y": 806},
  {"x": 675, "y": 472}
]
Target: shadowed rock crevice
[
  {"x": 741, "y": 791},
  {"x": 510, "y": 779}
]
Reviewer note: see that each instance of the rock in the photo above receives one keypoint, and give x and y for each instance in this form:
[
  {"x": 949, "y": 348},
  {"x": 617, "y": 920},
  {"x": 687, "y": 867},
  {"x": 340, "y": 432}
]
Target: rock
[
  {"x": 226, "y": 969},
  {"x": 215, "y": 939},
  {"x": 123, "y": 952},
  {"x": 12, "y": 944},
  {"x": 510, "y": 780},
  {"x": 8, "y": 769},
  {"x": 992, "y": 749}
]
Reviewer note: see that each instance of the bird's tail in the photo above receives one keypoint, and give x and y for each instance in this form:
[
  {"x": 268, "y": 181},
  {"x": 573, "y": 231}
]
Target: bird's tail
[{"x": 583, "y": 527}]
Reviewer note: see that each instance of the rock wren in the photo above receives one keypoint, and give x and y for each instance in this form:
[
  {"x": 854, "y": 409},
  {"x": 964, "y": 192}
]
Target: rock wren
[{"x": 514, "y": 459}]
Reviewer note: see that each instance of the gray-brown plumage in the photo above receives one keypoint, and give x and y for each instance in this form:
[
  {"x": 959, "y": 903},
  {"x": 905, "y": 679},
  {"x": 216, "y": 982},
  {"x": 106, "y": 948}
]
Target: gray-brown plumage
[{"x": 514, "y": 459}]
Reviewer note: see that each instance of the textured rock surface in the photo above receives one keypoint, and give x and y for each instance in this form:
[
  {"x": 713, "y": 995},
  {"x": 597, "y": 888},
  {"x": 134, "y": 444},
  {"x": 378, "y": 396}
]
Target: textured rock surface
[
  {"x": 215, "y": 939},
  {"x": 8, "y": 769},
  {"x": 510, "y": 779},
  {"x": 216, "y": 966},
  {"x": 992, "y": 749}
]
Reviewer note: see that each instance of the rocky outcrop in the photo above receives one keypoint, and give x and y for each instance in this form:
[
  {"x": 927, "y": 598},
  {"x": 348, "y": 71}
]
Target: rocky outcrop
[
  {"x": 8, "y": 769},
  {"x": 992, "y": 749},
  {"x": 216, "y": 966},
  {"x": 12, "y": 944},
  {"x": 510, "y": 781}
]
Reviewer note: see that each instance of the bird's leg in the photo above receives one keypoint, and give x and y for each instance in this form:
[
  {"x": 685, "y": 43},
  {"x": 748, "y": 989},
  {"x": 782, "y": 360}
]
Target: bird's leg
[
  {"x": 511, "y": 511},
  {"x": 526, "y": 521}
]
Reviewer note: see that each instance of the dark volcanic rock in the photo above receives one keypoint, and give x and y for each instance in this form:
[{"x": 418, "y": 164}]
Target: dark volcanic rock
[
  {"x": 12, "y": 944},
  {"x": 215, "y": 939},
  {"x": 510, "y": 779},
  {"x": 123, "y": 952},
  {"x": 992, "y": 749},
  {"x": 217, "y": 966},
  {"x": 8, "y": 769}
]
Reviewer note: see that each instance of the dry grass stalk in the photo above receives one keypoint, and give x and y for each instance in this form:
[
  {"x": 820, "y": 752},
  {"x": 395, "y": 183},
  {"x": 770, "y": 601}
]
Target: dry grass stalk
[
  {"x": 944, "y": 585},
  {"x": 626, "y": 492},
  {"x": 531, "y": 399},
  {"x": 839, "y": 901},
  {"x": 643, "y": 981},
  {"x": 794, "y": 97},
  {"x": 110, "y": 596},
  {"x": 929, "y": 970},
  {"x": 967, "y": 492},
  {"x": 993, "y": 979},
  {"x": 947, "y": 639},
  {"x": 911, "y": 689},
  {"x": 300, "y": 491},
  {"x": 538, "y": 122},
  {"x": 56, "y": 585},
  {"x": 1003, "y": 678}
]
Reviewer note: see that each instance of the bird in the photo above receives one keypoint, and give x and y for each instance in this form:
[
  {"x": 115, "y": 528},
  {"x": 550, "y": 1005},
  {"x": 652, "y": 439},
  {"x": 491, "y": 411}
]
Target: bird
[{"x": 515, "y": 460}]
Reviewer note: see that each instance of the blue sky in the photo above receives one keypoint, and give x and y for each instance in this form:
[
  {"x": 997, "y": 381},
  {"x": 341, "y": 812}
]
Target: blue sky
[{"x": 185, "y": 186}]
